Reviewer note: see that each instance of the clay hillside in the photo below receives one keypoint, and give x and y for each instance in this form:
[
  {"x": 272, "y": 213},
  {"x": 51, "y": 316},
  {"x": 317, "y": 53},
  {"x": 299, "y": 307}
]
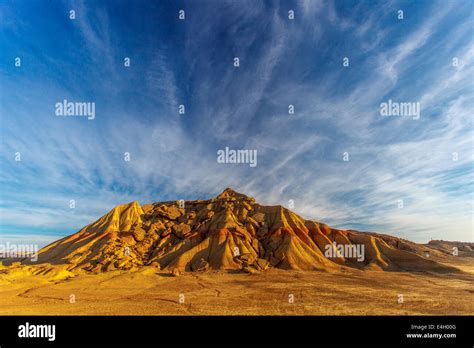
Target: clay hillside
[{"x": 229, "y": 232}]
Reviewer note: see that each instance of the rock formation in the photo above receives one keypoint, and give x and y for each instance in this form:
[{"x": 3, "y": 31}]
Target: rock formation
[{"x": 229, "y": 232}]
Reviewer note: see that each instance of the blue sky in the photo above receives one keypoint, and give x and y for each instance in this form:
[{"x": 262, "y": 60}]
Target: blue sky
[{"x": 282, "y": 62}]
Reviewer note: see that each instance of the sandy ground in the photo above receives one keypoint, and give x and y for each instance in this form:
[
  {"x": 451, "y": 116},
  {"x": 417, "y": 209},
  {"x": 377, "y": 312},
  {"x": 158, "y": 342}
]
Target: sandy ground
[{"x": 150, "y": 292}]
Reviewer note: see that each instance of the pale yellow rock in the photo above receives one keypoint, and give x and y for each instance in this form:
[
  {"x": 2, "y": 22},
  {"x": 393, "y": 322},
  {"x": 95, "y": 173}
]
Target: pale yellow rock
[{"x": 228, "y": 232}]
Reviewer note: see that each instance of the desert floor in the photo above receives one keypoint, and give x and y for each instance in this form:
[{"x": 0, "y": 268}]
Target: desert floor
[{"x": 151, "y": 292}]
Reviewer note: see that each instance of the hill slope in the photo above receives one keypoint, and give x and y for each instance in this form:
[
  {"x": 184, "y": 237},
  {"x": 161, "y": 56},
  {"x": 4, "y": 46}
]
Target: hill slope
[{"x": 232, "y": 232}]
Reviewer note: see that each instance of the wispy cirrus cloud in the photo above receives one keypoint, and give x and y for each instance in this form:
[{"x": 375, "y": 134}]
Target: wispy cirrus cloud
[{"x": 283, "y": 62}]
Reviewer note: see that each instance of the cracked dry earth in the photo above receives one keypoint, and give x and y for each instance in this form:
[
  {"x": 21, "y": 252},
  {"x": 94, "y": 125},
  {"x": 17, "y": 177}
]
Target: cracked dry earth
[{"x": 151, "y": 292}]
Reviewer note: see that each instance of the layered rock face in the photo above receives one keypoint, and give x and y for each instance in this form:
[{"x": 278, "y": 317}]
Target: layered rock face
[{"x": 229, "y": 232}]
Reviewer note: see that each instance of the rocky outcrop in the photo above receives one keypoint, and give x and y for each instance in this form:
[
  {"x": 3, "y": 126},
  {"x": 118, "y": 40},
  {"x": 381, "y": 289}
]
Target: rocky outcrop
[{"x": 229, "y": 232}]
